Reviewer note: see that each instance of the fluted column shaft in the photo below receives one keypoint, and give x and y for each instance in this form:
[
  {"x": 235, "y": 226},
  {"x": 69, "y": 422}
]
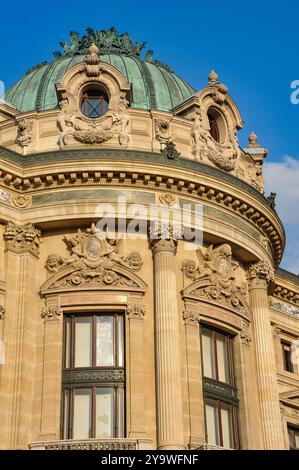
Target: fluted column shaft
[
  {"x": 259, "y": 276},
  {"x": 168, "y": 373}
]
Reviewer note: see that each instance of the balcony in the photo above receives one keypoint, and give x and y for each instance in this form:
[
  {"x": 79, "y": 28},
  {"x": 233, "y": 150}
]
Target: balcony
[{"x": 94, "y": 444}]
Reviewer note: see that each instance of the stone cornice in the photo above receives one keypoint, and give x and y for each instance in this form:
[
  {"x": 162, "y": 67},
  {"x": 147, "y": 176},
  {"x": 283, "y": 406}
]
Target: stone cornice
[{"x": 154, "y": 176}]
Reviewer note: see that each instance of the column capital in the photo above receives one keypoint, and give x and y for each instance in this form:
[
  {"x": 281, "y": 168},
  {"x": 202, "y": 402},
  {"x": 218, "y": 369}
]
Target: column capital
[
  {"x": 260, "y": 274},
  {"x": 136, "y": 311},
  {"x": 191, "y": 318},
  {"x": 164, "y": 237},
  {"x": 22, "y": 238},
  {"x": 51, "y": 313}
]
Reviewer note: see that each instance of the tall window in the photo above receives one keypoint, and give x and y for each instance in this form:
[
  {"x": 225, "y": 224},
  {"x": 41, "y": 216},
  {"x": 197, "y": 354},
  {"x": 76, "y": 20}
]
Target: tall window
[
  {"x": 94, "y": 103},
  {"x": 93, "y": 378},
  {"x": 287, "y": 355},
  {"x": 293, "y": 438},
  {"x": 220, "y": 393}
]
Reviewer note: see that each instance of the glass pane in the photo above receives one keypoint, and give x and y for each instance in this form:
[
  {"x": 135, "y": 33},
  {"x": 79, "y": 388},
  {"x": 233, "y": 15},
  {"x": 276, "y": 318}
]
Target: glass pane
[
  {"x": 227, "y": 435},
  {"x": 120, "y": 412},
  {"x": 212, "y": 422},
  {"x": 223, "y": 374},
  {"x": 83, "y": 345},
  {"x": 82, "y": 413},
  {"x": 67, "y": 343},
  {"x": 208, "y": 355},
  {"x": 105, "y": 343},
  {"x": 120, "y": 341},
  {"x": 104, "y": 412},
  {"x": 66, "y": 414}
]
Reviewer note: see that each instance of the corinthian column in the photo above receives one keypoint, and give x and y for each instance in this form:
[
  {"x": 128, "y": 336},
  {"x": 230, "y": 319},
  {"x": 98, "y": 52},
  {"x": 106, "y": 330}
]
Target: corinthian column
[
  {"x": 259, "y": 275},
  {"x": 168, "y": 373},
  {"x": 17, "y": 373}
]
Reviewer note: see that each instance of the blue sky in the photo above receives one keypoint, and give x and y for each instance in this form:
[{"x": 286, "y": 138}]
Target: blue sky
[{"x": 253, "y": 46}]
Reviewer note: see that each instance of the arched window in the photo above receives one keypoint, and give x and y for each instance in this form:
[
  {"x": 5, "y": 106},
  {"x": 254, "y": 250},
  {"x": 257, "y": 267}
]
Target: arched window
[{"x": 94, "y": 103}]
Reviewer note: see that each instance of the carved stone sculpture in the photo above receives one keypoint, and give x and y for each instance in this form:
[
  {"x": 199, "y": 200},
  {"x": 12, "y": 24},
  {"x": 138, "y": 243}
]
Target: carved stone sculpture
[
  {"x": 94, "y": 261},
  {"x": 22, "y": 238},
  {"x": 217, "y": 268},
  {"x": 73, "y": 125},
  {"x": 162, "y": 128},
  {"x": 24, "y": 133}
]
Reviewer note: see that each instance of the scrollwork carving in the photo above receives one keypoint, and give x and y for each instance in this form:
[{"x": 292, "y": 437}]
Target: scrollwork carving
[
  {"x": 24, "y": 132},
  {"x": 191, "y": 318},
  {"x": 94, "y": 259},
  {"x": 216, "y": 269}
]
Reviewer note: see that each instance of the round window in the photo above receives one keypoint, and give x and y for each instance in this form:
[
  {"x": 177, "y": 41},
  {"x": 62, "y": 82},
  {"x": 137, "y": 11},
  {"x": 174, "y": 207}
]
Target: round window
[
  {"x": 217, "y": 126},
  {"x": 94, "y": 103}
]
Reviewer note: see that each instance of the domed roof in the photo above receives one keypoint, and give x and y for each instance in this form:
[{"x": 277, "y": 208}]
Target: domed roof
[{"x": 154, "y": 85}]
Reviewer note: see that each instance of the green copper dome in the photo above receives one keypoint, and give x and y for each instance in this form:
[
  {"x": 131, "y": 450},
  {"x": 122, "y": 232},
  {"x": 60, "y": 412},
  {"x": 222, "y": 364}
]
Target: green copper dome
[{"x": 153, "y": 87}]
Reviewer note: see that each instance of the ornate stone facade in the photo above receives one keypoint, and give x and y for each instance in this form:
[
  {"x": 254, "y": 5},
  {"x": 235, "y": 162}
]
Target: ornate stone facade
[{"x": 155, "y": 146}]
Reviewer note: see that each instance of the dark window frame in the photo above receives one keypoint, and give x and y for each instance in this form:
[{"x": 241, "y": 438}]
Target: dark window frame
[
  {"x": 292, "y": 431},
  {"x": 70, "y": 387},
  {"x": 286, "y": 356},
  {"x": 94, "y": 101},
  {"x": 227, "y": 392},
  {"x": 214, "y": 129}
]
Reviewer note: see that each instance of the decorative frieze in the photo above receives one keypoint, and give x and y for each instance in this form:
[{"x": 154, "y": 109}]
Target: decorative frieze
[
  {"x": 51, "y": 313},
  {"x": 235, "y": 204},
  {"x": 136, "y": 311},
  {"x": 284, "y": 307},
  {"x": 22, "y": 238},
  {"x": 92, "y": 376}
]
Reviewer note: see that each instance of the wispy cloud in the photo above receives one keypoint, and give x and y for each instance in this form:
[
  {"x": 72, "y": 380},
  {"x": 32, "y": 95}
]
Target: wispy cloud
[{"x": 283, "y": 178}]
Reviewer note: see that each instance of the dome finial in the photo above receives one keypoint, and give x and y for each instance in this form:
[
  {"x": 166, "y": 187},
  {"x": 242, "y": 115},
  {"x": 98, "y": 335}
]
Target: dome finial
[
  {"x": 213, "y": 78},
  {"x": 252, "y": 139},
  {"x": 93, "y": 49}
]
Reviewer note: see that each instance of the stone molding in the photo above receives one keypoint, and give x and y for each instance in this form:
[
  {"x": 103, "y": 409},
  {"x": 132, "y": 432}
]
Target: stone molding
[
  {"x": 22, "y": 238},
  {"x": 238, "y": 205}
]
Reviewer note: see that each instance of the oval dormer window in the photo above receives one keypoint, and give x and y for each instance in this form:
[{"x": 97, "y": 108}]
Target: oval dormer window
[
  {"x": 217, "y": 125},
  {"x": 94, "y": 103}
]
